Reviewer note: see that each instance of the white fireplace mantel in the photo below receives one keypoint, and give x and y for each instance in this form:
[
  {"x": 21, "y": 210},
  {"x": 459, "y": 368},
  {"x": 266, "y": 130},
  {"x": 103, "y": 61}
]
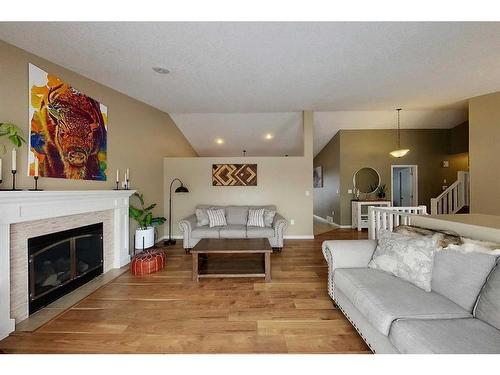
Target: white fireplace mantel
[{"x": 20, "y": 206}]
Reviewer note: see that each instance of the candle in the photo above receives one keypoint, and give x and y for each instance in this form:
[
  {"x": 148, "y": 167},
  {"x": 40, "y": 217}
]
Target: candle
[
  {"x": 127, "y": 175},
  {"x": 14, "y": 161},
  {"x": 0, "y": 169},
  {"x": 36, "y": 166},
  {"x": 117, "y": 175}
]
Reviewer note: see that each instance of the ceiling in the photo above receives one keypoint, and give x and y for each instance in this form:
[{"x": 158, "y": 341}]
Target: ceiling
[{"x": 255, "y": 77}]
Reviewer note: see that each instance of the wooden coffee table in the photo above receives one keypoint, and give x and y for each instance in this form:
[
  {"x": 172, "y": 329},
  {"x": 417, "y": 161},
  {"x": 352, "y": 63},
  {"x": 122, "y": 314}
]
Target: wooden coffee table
[{"x": 233, "y": 246}]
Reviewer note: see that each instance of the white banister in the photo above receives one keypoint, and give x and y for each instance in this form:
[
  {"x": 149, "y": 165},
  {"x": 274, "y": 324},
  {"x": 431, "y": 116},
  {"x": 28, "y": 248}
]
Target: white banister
[
  {"x": 389, "y": 218},
  {"x": 454, "y": 198}
]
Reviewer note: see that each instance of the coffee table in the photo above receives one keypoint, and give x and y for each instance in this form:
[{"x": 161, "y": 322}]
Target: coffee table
[{"x": 232, "y": 246}]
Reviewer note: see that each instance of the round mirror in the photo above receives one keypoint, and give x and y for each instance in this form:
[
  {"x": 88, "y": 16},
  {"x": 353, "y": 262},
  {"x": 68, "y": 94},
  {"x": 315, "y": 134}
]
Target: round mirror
[{"x": 366, "y": 180}]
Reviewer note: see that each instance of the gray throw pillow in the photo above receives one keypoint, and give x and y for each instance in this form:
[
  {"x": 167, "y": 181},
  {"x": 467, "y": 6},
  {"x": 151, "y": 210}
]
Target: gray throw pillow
[
  {"x": 201, "y": 217},
  {"x": 409, "y": 258},
  {"x": 269, "y": 217}
]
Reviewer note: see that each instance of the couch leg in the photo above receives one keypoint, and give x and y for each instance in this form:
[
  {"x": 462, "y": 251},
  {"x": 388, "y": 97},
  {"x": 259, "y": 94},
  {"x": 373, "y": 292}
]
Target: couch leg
[{"x": 187, "y": 250}]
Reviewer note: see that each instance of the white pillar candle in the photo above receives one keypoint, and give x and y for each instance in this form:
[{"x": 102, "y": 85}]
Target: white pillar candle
[
  {"x": 127, "y": 175},
  {"x": 14, "y": 159},
  {"x": 1, "y": 170},
  {"x": 117, "y": 175},
  {"x": 36, "y": 167}
]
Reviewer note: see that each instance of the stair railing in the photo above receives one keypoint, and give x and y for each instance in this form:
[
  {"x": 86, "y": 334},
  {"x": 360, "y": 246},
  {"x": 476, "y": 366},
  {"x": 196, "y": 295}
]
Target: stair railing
[
  {"x": 454, "y": 198},
  {"x": 389, "y": 218}
]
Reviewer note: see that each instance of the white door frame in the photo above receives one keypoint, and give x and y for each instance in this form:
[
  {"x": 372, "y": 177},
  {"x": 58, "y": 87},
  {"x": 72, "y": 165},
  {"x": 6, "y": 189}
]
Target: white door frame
[{"x": 414, "y": 168}]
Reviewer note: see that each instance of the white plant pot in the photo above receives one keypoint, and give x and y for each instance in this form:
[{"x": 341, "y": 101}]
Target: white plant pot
[{"x": 146, "y": 235}]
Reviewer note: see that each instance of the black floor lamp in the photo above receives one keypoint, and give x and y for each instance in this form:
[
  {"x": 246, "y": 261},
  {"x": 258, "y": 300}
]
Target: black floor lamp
[{"x": 180, "y": 189}]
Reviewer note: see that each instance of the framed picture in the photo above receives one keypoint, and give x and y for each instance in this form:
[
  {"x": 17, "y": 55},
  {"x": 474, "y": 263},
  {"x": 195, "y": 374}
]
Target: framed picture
[
  {"x": 68, "y": 130},
  {"x": 318, "y": 177},
  {"x": 234, "y": 174}
]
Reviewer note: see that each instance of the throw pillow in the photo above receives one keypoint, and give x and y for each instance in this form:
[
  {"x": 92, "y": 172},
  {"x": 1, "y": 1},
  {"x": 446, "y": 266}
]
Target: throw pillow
[
  {"x": 445, "y": 237},
  {"x": 201, "y": 217},
  {"x": 216, "y": 217},
  {"x": 269, "y": 217},
  {"x": 256, "y": 218},
  {"x": 409, "y": 258}
]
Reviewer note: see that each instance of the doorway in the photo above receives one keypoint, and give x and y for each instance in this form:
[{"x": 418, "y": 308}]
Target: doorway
[{"x": 404, "y": 187}]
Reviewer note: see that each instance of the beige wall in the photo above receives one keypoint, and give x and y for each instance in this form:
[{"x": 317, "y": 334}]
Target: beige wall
[
  {"x": 327, "y": 198},
  {"x": 484, "y": 133},
  {"x": 370, "y": 148},
  {"x": 282, "y": 181},
  {"x": 139, "y": 136}
]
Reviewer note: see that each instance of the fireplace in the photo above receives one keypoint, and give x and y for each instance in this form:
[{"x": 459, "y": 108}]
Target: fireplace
[{"x": 61, "y": 262}]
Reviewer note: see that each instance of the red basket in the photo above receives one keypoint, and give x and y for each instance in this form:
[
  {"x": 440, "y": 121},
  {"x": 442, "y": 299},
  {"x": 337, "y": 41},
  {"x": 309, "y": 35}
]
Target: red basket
[{"x": 149, "y": 261}]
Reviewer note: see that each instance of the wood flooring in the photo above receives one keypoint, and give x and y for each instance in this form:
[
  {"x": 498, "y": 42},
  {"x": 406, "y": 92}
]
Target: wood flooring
[{"x": 166, "y": 312}]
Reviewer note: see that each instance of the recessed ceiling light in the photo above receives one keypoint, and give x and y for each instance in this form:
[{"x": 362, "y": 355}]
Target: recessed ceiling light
[
  {"x": 269, "y": 136},
  {"x": 161, "y": 70},
  {"x": 219, "y": 141}
]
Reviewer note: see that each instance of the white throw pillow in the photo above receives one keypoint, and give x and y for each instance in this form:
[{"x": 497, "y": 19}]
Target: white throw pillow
[
  {"x": 256, "y": 218},
  {"x": 201, "y": 217},
  {"x": 409, "y": 258},
  {"x": 216, "y": 217},
  {"x": 269, "y": 217}
]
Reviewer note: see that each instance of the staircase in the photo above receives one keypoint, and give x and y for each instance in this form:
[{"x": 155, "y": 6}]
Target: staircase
[{"x": 455, "y": 199}]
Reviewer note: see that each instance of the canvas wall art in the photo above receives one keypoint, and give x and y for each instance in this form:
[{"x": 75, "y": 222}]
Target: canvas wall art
[
  {"x": 68, "y": 132},
  {"x": 234, "y": 174},
  {"x": 318, "y": 177}
]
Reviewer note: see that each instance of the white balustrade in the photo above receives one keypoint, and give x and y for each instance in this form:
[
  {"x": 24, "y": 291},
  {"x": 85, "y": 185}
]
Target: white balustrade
[
  {"x": 454, "y": 198},
  {"x": 389, "y": 218}
]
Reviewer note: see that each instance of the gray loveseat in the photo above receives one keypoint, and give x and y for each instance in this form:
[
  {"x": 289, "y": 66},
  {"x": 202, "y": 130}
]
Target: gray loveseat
[
  {"x": 236, "y": 218},
  {"x": 460, "y": 315}
]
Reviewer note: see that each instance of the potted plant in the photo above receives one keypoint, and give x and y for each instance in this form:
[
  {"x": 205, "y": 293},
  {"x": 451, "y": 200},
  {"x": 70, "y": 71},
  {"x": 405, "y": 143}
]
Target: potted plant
[
  {"x": 145, "y": 232},
  {"x": 381, "y": 191},
  {"x": 12, "y": 132}
]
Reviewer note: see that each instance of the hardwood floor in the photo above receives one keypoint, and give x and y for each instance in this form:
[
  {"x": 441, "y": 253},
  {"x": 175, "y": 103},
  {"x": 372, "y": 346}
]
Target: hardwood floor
[{"x": 168, "y": 313}]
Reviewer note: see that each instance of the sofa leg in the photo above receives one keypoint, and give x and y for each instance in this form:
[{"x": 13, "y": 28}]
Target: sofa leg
[
  {"x": 277, "y": 249},
  {"x": 187, "y": 250}
]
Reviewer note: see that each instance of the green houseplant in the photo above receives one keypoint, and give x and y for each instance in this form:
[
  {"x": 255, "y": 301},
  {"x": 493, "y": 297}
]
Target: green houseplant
[
  {"x": 13, "y": 133},
  {"x": 143, "y": 215}
]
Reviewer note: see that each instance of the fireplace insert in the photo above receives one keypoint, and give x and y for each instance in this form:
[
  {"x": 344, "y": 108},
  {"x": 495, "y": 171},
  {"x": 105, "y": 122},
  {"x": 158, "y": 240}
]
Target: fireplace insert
[{"x": 61, "y": 262}]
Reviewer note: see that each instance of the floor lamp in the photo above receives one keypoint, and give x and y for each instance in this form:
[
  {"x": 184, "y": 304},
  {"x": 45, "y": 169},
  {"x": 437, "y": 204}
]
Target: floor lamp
[{"x": 180, "y": 189}]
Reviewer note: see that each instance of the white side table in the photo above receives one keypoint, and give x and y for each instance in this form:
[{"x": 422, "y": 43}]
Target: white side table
[{"x": 360, "y": 212}]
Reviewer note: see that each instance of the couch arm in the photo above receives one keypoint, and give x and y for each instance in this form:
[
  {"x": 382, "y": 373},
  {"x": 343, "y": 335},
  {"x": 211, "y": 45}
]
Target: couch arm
[
  {"x": 346, "y": 254},
  {"x": 279, "y": 225},
  {"x": 186, "y": 226}
]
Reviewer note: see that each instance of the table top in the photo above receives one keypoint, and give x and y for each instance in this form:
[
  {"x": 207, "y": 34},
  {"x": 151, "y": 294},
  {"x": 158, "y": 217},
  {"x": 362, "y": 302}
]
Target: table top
[{"x": 230, "y": 245}]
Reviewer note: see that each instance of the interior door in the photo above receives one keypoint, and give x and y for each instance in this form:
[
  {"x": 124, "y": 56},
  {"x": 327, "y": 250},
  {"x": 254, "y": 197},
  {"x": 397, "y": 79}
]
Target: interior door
[{"x": 405, "y": 187}]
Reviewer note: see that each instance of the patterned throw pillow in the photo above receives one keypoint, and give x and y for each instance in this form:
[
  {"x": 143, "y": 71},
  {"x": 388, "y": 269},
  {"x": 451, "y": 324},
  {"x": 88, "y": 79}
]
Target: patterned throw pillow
[
  {"x": 201, "y": 217},
  {"x": 216, "y": 217},
  {"x": 409, "y": 258},
  {"x": 269, "y": 217},
  {"x": 256, "y": 218}
]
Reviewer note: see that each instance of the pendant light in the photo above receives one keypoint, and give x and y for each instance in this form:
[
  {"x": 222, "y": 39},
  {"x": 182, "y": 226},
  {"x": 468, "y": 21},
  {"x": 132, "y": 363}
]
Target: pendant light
[{"x": 399, "y": 152}]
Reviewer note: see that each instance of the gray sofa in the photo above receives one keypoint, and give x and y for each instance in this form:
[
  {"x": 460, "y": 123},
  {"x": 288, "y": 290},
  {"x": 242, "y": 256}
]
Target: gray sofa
[
  {"x": 236, "y": 218},
  {"x": 460, "y": 314}
]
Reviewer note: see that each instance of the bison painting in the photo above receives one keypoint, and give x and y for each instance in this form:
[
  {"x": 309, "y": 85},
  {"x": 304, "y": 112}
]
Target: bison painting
[{"x": 68, "y": 130}]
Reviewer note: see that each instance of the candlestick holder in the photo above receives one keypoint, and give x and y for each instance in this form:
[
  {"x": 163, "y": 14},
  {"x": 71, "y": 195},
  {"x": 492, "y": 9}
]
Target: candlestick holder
[
  {"x": 14, "y": 181},
  {"x": 126, "y": 184},
  {"x": 117, "y": 185},
  {"x": 1, "y": 184},
  {"x": 35, "y": 179}
]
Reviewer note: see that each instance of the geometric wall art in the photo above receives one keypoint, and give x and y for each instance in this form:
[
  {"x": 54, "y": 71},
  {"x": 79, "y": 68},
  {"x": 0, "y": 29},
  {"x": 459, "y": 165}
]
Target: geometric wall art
[
  {"x": 68, "y": 131},
  {"x": 234, "y": 174}
]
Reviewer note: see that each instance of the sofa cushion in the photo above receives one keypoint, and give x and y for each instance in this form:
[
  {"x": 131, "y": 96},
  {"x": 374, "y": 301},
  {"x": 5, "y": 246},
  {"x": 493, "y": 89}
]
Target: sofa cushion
[
  {"x": 488, "y": 305},
  {"x": 233, "y": 231},
  {"x": 201, "y": 217},
  {"x": 256, "y": 232},
  {"x": 383, "y": 298},
  {"x": 446, "y": 336},
  {"x": 409, "y": 258},
  {"x": 237, "y": 214},
  {"x": 459, "y": 276},
  {"x": 205, "y": 232}
]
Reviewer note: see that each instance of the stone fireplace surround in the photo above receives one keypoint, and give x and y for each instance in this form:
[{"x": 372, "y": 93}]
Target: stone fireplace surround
[{"x": 25, "y": 214}]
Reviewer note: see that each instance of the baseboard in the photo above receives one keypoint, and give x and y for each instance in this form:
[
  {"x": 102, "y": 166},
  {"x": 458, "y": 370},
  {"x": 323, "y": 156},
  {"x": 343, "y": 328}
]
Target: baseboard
[
  {"x": 322, "y": 219},
  {"x": 343, "y": 226},
  {"x": 299, "y": 237}
]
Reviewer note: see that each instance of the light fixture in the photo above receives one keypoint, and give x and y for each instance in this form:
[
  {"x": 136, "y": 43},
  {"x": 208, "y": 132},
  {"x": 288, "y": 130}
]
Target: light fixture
[
  {"x": 160, "y": 70},
  {"x": 269, "y": 136},
  {"x": 399, "y": 152},
  {"x": 219, "y": 141}
]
